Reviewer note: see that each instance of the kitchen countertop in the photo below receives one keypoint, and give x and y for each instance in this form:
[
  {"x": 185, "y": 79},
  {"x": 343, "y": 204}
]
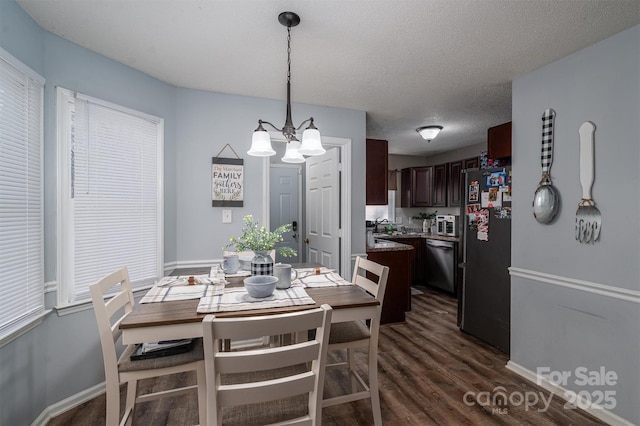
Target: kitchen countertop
[
  {"x": 384, "y": 245},
  {"x": 419, "y": 235}
]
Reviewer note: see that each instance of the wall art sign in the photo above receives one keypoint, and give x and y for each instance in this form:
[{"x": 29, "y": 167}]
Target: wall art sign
[{"x": 227, "y": 182}]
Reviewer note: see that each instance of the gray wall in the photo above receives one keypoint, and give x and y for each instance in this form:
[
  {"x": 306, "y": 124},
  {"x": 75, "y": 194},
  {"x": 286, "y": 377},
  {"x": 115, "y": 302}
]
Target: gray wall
[
  {"x": 206, "y": 122},
  {"x": 61, "y": 357},
  {"x": 553, "y": 325}
]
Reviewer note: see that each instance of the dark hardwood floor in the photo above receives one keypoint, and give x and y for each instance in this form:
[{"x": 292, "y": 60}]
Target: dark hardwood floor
[{"x": 430, "y": 373}]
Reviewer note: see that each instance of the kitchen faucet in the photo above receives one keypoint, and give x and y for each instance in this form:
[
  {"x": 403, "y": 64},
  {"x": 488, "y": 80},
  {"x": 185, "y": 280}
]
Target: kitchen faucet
[{"x": 377, "y": 222}]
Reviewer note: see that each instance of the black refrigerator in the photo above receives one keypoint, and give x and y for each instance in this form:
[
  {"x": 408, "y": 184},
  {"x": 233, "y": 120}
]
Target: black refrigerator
[{"x": 485, "y": 295}]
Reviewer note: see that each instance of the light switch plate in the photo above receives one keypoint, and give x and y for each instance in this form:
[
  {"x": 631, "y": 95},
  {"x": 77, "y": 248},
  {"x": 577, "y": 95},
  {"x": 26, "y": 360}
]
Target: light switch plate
[{"x": 226, "y": 216}]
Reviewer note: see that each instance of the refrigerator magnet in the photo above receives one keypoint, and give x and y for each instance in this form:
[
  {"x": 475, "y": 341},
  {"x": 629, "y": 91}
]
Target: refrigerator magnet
[
  {"x": 497, "y": 179},
  {"x": 474, "y": 188}
]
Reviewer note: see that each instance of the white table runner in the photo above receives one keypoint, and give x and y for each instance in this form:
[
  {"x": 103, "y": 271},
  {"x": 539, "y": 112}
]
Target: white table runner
[
  {"x": 305, "y": 272},
  {"x": 237, "y": 299},
  {"x": 330, "y": 279},
  {"x": 183, "y": 280},
  {"x": 182, "y": 292}
]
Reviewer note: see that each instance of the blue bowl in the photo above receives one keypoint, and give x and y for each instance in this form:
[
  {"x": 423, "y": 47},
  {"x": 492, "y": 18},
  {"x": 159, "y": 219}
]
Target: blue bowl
[{"x": 260, "y": 286}]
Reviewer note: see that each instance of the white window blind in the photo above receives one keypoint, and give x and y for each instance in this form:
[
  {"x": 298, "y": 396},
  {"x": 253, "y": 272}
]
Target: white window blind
[
  {"x": 21, "y": 214},
  {"x": 113, "y": 201}
]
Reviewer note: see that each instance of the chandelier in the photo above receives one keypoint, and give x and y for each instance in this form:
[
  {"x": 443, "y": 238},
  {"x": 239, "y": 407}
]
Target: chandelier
[{"x": 311, "y": 143}]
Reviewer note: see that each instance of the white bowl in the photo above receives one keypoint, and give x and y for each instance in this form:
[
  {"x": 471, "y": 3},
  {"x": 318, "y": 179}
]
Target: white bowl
[{"x": 260, "y": 286}]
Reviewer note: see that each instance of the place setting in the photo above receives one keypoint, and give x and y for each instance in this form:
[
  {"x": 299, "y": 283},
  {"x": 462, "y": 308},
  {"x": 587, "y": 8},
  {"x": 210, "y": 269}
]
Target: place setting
[
  {"x": 183, "y": 287},
  {"x": 259, "y": 292}
]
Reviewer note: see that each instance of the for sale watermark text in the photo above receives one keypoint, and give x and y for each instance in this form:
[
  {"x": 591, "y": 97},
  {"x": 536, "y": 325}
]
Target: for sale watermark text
[{"x": 597, "y": 398}]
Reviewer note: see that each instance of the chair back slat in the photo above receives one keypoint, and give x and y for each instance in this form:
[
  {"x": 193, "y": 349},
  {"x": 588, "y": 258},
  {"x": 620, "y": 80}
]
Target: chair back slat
[
  {"x": 269, "y": 390},
  {"x": 260, "y": 359},
  {"x": 299, "y": 367},
  {"x": 365, "y": 272},
  {"x": 117, "y": 302},
  {"x": 259, "y": 326}
]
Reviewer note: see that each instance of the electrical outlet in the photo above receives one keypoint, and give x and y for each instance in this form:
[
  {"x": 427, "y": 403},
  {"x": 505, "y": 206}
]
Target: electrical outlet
[{"x": 226, "y": 216}]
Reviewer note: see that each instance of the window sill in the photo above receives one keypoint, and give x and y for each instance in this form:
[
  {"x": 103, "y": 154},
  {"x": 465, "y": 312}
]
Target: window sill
[
  {"x": 84, "y": 305},
  {"x": 24, "y": 328}
]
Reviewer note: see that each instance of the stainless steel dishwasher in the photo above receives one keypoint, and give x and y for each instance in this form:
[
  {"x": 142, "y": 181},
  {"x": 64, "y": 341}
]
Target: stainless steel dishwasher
[{"x": 441, "y": 265}]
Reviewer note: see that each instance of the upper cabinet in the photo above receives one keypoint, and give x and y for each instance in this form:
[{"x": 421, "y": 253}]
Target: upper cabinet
[
  {"x": 416, "y": 186},
  {"x": 434, "y": 186},
  {"x": 439, "y": 195},
  {"x": 499, "y": 141},
  {"x": 377, "y": 169},
  {"x": 455, "y": 178}
]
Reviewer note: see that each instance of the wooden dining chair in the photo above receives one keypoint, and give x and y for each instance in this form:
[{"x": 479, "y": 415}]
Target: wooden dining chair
[
  {"x": 268, "y": 384},
  {"x": 119, "y": 370},
  {"x": 371, "y": 277}
]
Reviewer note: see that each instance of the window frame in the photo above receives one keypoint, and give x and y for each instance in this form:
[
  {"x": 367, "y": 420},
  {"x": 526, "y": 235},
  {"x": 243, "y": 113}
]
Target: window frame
[
  {"x": 65, "y": 293},
  {"x": 22, "y": 323}
]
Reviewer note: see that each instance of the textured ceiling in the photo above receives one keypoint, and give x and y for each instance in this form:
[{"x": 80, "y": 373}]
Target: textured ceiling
[{"x": 407, "y": 63}]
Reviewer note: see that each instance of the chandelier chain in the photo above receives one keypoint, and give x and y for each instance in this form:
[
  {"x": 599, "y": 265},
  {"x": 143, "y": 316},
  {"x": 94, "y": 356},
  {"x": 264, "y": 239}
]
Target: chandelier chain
[{"x": 288, "y": 53}]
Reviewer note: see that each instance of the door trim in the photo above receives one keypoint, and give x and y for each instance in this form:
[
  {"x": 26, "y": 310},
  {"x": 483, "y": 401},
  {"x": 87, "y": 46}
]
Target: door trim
[{"x": 344, "y": 145}]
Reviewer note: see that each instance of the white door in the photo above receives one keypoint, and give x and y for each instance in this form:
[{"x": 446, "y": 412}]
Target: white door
[
  {"x": 323, "y": 209},
  {"x": 284, "y": 206}
]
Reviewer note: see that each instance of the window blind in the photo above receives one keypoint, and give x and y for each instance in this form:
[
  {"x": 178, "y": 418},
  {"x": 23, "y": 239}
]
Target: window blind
[
  {"x": 21, "y": 211},
  {"x": 114, "y": 200}
]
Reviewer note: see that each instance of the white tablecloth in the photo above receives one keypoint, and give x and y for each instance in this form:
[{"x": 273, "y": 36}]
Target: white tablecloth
[
  {"x": 237, "y": 299},
  {"x": 330, "y": 279}
]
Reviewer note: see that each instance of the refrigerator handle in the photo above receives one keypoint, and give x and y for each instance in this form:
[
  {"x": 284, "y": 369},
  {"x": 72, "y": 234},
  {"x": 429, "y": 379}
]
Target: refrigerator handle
[{"x": 462, "y": 265}]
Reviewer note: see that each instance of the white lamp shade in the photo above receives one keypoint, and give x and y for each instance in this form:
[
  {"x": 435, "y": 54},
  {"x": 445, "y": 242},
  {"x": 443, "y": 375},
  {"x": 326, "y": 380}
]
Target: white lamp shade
[
  {"x": 292, "y": 155},
  {"x": 429, "y": 132},
  {"x": 311, "y": 144},
  {"x": 261, "y": 144}
]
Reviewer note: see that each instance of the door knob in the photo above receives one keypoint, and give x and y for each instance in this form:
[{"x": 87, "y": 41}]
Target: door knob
[{"x": 306, "y": 241}]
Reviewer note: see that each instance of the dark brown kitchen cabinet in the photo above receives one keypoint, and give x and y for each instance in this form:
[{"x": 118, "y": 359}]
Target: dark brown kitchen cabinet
[
  {"x": 455, "y": 178},
  {"x": 418, "y": 257},
  {"x": 439, "y": 195},
  {"x": 499, "y": 141},
  {"x": 472, "y": 163},
  {"x": 377, "y": 170},
  {"x": 397, "y": 296},
  {"x": 421, "y": 186},
  {"x": 416, "y": 186}
]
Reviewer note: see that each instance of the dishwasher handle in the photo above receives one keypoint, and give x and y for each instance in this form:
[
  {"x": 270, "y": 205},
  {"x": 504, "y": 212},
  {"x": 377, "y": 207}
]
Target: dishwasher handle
[{"x": 440, "y": 246}]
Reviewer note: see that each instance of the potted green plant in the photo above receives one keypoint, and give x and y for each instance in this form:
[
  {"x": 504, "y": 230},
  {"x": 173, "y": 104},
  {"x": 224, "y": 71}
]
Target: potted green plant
[{"x": 261, "y": 241}]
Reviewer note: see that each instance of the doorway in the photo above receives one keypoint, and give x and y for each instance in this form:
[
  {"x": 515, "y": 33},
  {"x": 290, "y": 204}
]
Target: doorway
[{"x": 344, "y": 232}]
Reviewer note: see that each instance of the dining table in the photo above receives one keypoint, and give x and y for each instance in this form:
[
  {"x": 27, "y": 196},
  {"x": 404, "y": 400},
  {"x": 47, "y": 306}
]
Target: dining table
[{"x": 179, "y": 319}]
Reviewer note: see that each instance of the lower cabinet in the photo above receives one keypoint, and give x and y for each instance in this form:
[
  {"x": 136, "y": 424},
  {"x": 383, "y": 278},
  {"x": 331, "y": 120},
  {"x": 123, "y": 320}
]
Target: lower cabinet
[
  {"x": 397, "y": 297},
  {"x": 418, "y": 258}
]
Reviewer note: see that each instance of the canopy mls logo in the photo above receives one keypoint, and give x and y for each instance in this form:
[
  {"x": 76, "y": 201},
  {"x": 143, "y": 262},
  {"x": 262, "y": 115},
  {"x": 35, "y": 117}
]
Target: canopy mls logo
[{"x": 500, "y": 401}]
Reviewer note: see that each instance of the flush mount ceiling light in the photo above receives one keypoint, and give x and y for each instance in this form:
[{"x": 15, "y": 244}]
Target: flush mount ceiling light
[
  {"x": 311, "y": 143},
  {"x": 429, "y": 133}
]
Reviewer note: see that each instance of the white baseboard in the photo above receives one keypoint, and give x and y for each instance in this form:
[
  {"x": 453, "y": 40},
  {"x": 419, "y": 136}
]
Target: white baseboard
[
  {"x": 568, "y": 395},
  {"x": 68, "y": 404}
]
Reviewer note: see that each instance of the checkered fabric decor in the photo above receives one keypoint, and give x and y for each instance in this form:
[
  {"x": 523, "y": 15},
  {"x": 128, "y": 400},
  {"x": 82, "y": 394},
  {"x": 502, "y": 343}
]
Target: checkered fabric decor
[
  {"x": 261, "y": 268},
  {"x": 547, "y": 140}
]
